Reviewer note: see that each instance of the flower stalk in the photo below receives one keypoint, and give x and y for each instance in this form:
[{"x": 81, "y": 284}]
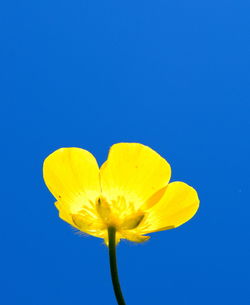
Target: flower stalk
[{"x": 113, "y": 266}]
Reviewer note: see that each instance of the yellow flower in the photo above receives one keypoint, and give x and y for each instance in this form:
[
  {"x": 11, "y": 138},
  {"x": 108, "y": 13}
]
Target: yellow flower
[{"x": 130, "y": 192}]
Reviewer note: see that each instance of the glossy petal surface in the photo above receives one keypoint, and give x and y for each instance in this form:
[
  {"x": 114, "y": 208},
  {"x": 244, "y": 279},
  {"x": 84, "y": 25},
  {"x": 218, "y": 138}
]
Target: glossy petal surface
[
  {"x": 135, "y": 172},
  {"x": 178, "y": 204},
  {"x": 72, "y": 176}
]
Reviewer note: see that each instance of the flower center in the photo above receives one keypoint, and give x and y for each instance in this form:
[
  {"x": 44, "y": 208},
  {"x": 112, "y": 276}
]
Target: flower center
[{"x": 119, "y": 214}]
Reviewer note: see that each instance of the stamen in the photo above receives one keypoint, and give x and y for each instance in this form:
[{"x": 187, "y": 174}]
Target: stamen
[{"x": 103, "y": 209}]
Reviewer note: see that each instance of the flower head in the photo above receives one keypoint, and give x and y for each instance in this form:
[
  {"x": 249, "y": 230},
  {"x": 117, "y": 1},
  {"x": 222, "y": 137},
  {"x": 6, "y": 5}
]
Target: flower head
[{"x": 130, "y": 192}]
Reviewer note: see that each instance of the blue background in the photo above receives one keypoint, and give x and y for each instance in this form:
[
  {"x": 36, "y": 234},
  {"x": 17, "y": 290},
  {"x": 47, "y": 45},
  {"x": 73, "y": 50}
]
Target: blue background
[{"x": 173, "y": 75}]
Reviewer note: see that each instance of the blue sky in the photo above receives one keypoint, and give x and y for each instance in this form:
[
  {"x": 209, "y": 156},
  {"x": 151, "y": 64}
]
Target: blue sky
[{"x": 173, "y": 75}]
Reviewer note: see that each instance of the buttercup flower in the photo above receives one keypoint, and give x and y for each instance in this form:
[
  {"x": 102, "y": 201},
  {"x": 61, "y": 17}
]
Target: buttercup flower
[
  {"x": 130, "y": 192},
  {"x": 128, "y": 197}
]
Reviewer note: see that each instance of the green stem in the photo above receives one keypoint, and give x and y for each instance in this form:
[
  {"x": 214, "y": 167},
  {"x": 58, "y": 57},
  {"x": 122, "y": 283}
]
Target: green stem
[{"x": 113, "y": 266}]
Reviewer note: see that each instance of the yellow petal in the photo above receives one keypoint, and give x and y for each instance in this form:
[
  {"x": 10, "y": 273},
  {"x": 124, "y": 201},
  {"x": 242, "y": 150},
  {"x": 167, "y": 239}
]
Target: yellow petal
[
  {"x": 87, "y": 224},
  {"x": 132, "y": 222},
  {"x": 133, "y": 171},
  {"x": 64, "y": 213},
  {"x": 178, "y": 204},
  {"x": 72, "y": 176},
  {"x": 129, "y": 235}
]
